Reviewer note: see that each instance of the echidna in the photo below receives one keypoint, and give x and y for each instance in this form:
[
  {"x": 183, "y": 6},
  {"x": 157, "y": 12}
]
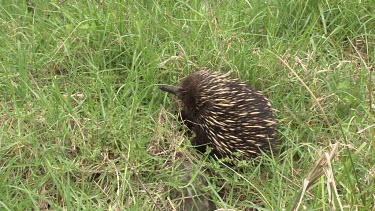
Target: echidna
[{"x": 229, "y": 116}]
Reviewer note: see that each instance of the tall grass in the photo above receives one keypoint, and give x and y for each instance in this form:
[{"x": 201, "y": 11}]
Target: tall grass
[{"x": 83, "y": 125}]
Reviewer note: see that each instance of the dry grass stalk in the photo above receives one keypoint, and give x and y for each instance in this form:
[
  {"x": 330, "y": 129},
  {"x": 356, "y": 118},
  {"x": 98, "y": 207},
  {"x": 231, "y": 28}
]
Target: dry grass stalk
[{"x": 323, "y": 163}]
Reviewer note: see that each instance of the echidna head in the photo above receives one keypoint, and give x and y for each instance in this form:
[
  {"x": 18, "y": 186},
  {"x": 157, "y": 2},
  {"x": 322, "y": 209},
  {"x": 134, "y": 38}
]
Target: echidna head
[
  {"x": 187, "y": 91},
  {"x": 187, "y": 97}
]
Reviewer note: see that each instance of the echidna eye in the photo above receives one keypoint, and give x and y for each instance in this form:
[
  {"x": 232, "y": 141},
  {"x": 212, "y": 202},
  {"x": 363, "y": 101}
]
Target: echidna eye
[{"x": 182, "y": 94}]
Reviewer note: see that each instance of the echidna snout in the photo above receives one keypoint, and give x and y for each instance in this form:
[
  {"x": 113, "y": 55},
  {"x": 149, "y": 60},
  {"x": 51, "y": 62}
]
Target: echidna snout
[
  {"x": 171, "y": 89},
  {"x": 226, "y": 114}
]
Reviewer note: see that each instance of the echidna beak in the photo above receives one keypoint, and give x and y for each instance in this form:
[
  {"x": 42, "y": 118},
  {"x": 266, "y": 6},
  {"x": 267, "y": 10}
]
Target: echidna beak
[{"x": 171, "y": 89}]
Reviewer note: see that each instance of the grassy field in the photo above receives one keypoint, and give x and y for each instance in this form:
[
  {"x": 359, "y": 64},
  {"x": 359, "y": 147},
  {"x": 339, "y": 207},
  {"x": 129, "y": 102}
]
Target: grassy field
[{"x": 84, "y": 126}]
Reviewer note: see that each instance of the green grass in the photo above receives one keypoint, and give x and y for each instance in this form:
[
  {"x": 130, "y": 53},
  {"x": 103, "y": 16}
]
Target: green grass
[{"x": 83, "y": 125}]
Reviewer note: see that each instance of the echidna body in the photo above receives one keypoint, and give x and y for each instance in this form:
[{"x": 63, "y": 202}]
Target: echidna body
[{"x": 235, "y": 120}]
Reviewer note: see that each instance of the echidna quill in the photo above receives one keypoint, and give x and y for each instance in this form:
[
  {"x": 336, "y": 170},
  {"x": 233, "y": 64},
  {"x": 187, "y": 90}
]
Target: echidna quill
[{"x": 229, "y": 116}]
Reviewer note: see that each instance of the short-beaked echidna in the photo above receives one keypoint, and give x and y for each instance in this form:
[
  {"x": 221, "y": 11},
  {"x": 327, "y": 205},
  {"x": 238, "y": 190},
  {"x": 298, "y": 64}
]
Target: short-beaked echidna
[{"x": 229, "y": 116}]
